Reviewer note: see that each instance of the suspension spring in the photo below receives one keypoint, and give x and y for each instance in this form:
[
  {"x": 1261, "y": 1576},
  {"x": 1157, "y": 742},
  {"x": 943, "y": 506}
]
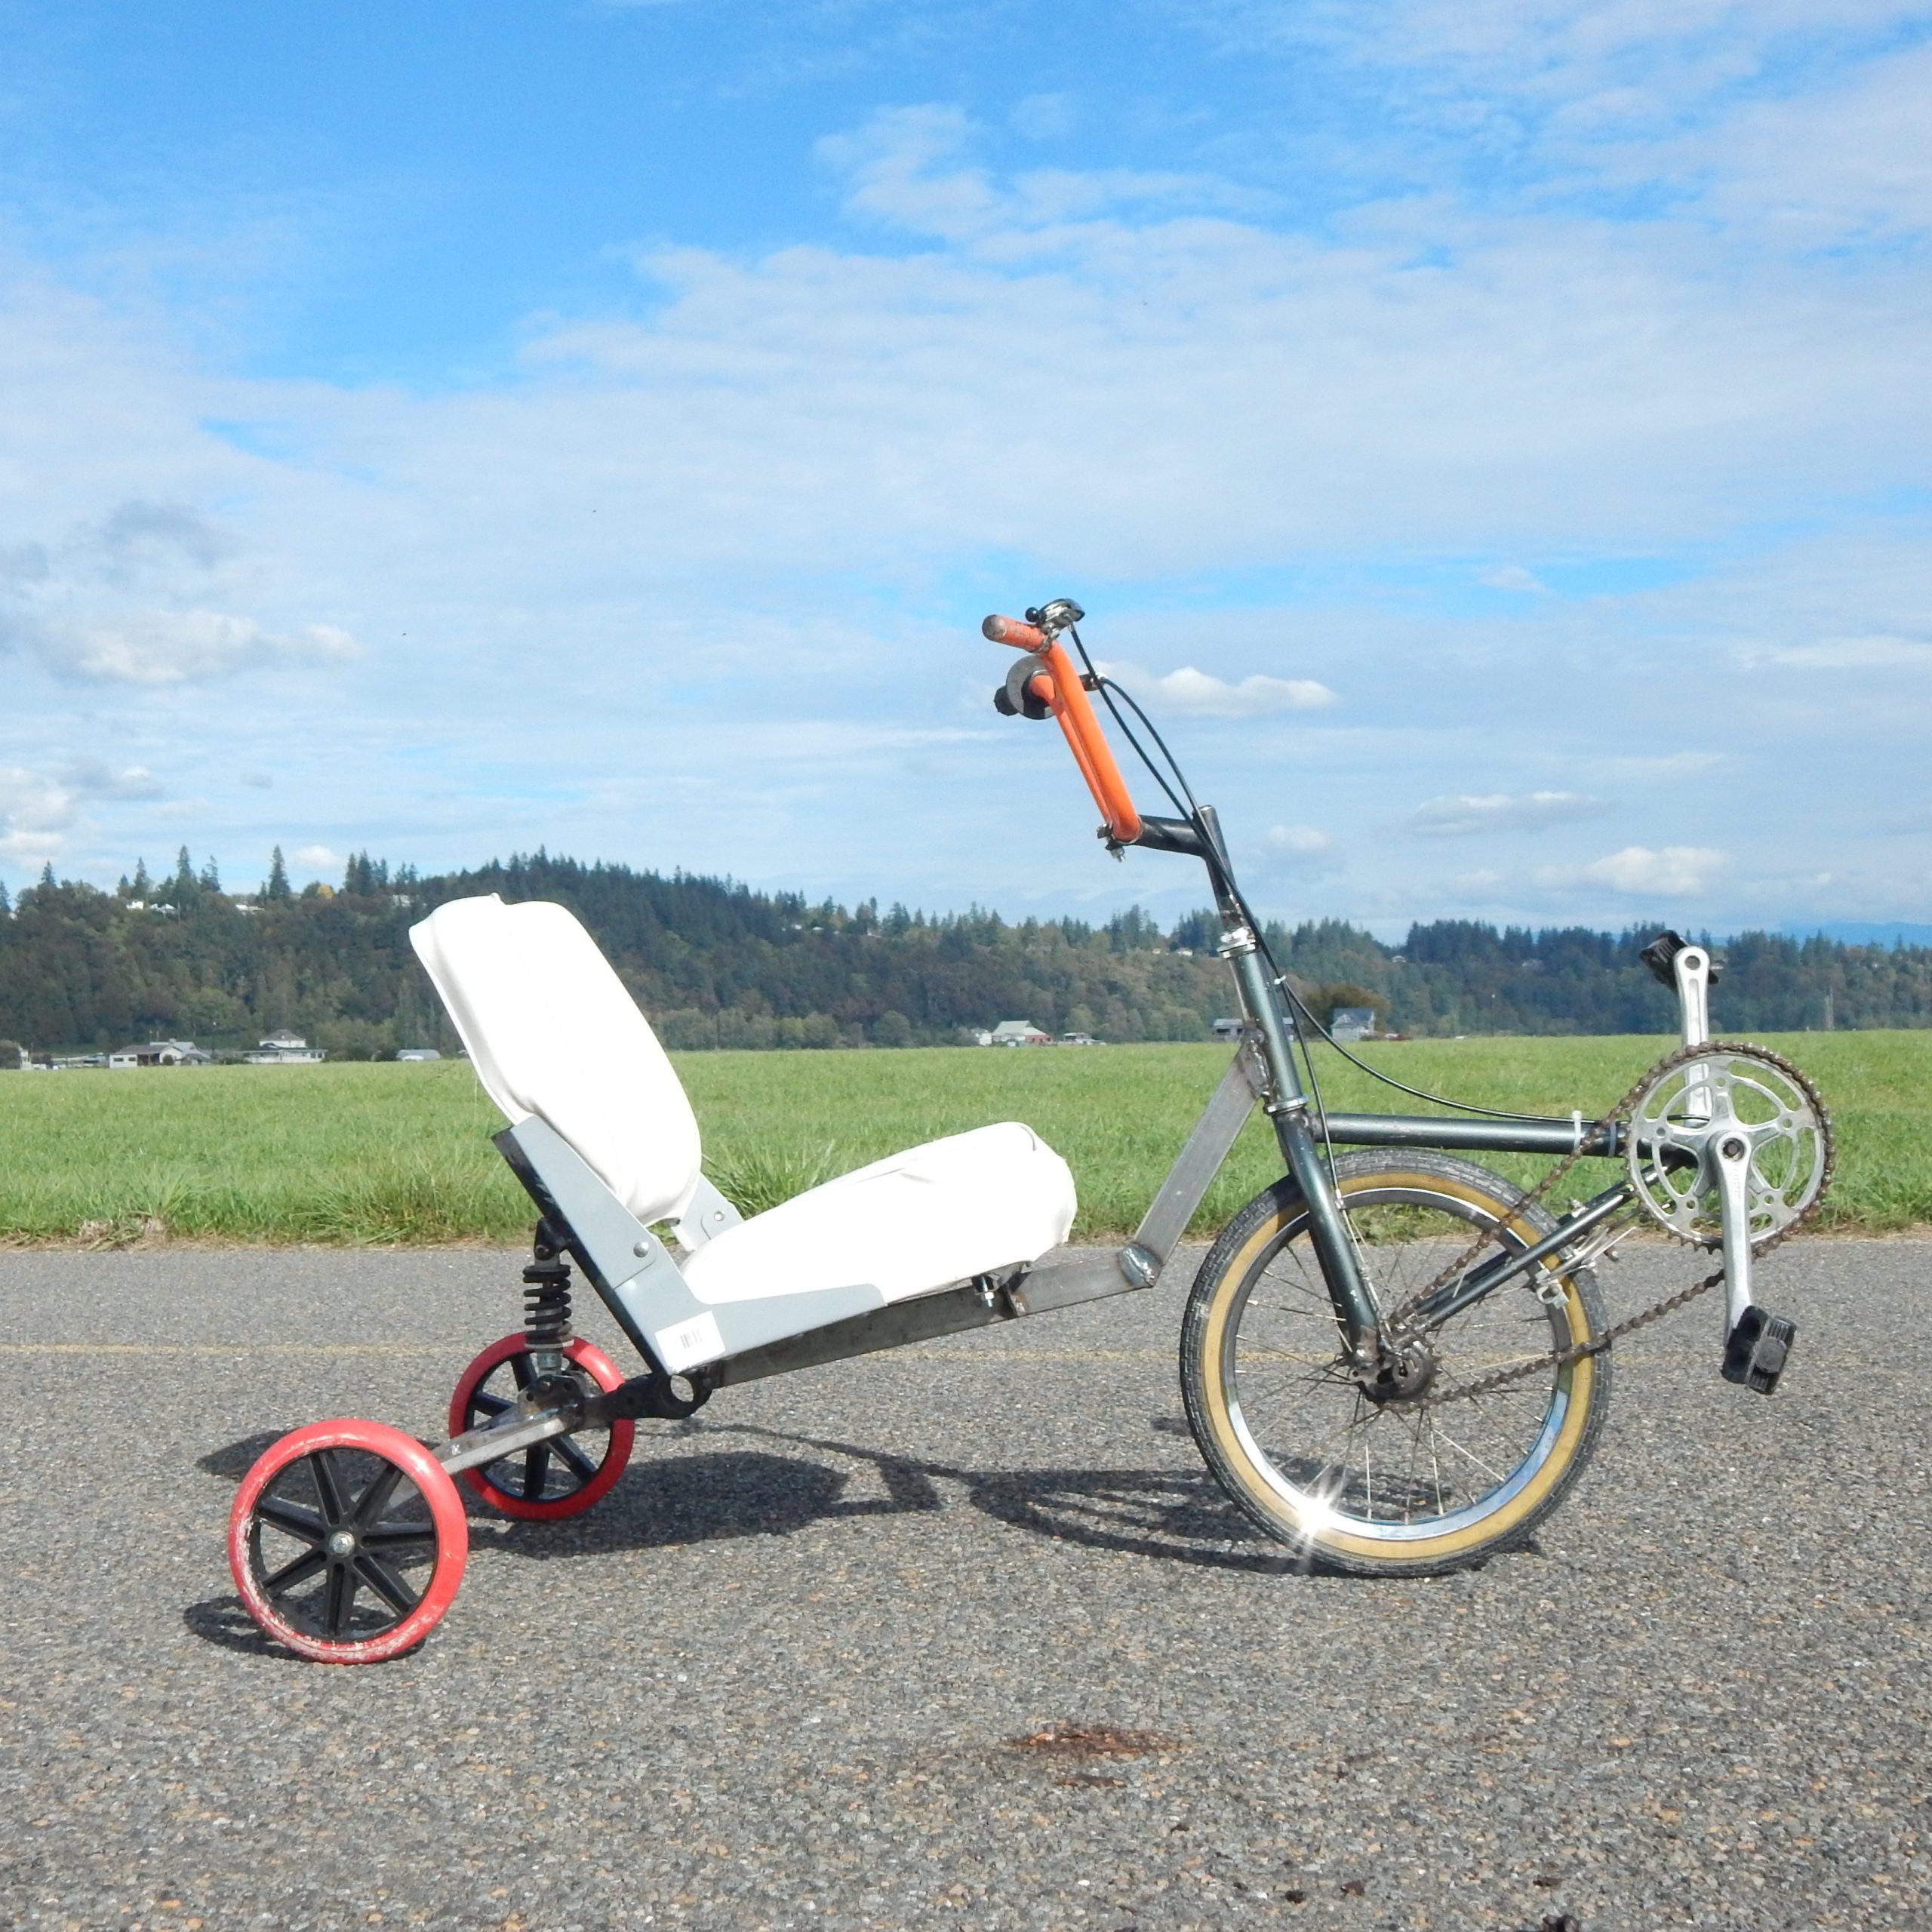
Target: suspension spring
[{"x": 547, "y": 1300}]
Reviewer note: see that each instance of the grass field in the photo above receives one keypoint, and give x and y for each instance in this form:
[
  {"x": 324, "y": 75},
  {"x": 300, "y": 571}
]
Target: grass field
[{"x": 386, "y": 1153}]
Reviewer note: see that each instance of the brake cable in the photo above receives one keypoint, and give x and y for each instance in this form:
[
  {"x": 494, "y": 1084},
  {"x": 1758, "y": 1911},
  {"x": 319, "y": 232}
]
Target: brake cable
[{"x": 1191, "y": 811}]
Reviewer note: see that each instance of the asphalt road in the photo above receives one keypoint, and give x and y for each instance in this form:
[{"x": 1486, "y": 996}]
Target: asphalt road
[{"x": 774, "y": 1680}]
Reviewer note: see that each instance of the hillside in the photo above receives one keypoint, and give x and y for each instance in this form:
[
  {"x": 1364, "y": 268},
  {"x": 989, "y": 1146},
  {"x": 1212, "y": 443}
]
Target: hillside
[{"x": 718, "y": 964}]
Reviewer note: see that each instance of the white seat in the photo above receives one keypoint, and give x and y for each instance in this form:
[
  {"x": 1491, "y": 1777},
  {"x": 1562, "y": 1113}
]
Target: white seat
[
  {"x": 552, "y": 1032},
  {"x": 942, "y": 1213}
]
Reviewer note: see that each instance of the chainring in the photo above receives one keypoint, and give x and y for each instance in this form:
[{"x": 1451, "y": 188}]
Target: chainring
[
  {"x": 1691, "y": 1100},
  {"x": 1804, "y": 1205}
]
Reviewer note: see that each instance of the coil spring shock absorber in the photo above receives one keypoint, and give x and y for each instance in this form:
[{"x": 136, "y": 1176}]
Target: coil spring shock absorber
[{"x": 546, "y": 1303}]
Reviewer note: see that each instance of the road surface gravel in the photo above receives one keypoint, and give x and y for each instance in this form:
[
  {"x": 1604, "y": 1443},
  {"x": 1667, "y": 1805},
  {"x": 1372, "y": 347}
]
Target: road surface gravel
[{"x": 776, "y": 1679}]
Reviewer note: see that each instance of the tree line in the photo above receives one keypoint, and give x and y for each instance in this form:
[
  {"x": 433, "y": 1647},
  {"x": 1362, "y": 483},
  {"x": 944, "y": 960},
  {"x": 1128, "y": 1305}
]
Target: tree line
[{"x": 716, "y": 963}]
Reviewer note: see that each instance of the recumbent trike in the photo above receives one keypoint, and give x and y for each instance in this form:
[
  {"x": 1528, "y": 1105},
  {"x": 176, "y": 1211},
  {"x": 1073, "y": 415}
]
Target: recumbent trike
[{"x": 1394, "y": 1360}]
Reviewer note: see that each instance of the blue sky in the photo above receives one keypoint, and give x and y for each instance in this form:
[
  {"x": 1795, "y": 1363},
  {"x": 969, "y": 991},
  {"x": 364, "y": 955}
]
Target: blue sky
[{"x": 1493, "y": 436}]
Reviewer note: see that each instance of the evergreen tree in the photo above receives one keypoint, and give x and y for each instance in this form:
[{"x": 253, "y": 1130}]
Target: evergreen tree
[
  {"x": 210, "y": 879},
  {"x": 277, "y": 890},
  {"x": 716, "y": 964}
]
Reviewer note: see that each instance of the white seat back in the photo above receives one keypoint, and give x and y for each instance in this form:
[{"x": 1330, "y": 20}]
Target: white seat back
[{"x": 552, "y": 1032}]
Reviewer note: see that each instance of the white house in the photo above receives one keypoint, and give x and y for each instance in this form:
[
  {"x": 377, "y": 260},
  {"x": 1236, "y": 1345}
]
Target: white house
[
  {"x": 1019, "y": 1033},
  {"x": 161, "y": 1053},
  {"x": 284, "y": 1049}
]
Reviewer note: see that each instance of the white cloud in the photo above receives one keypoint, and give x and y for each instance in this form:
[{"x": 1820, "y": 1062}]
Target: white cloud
[
  {"x": 1848, "y": 654},
  {"x": 1499, "y": 811},
  {"x": 119, "y": 599},
  {"x": 35, "y": 811},
  {"x": 649, "y": 534},
  {"x": 1297, "y": 838},
  {"x": 317, "y": 859},
  {"x": 1188, "y": 692},
  {"x": 94, "y": 779},
  {"x": 1677, "y": 871},
  {"x": 903, "y": 168},
  {"x": 160, "y": 646},
  {"x": 1513, "y": 577},
  {"x": 38, "y": 810}
]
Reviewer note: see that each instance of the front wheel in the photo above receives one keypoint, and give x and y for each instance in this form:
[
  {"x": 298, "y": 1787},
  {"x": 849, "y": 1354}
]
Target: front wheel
[
  {"x": 1419, "y": 1482},
  {"x": 347, "y": 1542}
]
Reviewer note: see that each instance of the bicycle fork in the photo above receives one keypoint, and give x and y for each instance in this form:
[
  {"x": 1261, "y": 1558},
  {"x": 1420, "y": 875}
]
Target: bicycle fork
[{"x": 1287, "y": 1110}]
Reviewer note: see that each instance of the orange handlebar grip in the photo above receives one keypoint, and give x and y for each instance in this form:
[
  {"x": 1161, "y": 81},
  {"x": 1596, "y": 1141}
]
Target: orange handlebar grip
[
  {"x": 1058, "y": 686},
  {"x": 1068, "y": 703},
  {"x": 1010, "y": 630}
]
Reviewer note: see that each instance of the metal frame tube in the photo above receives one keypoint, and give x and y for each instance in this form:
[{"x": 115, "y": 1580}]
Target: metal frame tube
[
  {"x": 1575, "y": 1136},
  {"x": 1287, "y": 1105},
  {"x": 1452, "y": 1297}
]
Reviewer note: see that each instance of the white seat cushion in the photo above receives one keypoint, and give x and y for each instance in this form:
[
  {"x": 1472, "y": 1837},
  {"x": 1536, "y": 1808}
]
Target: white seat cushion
[{"x": 919, "y": 1221}]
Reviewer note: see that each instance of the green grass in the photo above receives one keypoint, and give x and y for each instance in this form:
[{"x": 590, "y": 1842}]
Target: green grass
[{"x": 384, "y": 1153}]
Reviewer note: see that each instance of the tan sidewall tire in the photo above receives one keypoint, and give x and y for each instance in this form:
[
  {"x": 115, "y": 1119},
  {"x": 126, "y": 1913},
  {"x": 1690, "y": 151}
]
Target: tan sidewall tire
[{"x": 1246, "y": 1243}]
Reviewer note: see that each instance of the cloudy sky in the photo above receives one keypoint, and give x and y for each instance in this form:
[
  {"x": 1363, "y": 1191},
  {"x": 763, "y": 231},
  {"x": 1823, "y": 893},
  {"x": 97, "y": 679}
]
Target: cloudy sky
[{"x": 1492, "y": 435}]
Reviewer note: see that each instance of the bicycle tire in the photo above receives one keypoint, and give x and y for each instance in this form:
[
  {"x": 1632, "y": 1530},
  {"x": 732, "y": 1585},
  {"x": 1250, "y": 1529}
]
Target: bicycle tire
[{"x": 1411, "y": 1213}]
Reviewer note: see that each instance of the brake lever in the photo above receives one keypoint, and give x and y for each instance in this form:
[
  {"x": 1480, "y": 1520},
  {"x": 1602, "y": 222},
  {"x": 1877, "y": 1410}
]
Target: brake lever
[{"x": 1058, "y": 615}]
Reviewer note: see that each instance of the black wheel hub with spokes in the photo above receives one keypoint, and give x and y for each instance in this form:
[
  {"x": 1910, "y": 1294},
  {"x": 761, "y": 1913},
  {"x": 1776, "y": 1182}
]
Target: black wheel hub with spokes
[
  {"x": 529, "y": 1475},
  {"x": 354, "y": 1541},
  {"x": 1405, "y": 1373}
]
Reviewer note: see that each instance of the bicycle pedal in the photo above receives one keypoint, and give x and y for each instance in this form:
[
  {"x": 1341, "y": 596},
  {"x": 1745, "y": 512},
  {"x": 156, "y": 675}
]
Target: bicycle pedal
[{"x": 1755, "y": 1352}]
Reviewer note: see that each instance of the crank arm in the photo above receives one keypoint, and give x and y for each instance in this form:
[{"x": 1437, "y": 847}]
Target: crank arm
[
  {"x": 1757, "y": 1344},
  {"x": 1731, "y": 1156}
]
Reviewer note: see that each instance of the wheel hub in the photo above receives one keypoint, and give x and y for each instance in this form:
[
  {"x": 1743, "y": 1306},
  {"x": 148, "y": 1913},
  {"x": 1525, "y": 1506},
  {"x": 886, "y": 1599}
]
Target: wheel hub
[
  {"x": 343, "y": 1543},
  {"x": 1405, "y": 1373}
]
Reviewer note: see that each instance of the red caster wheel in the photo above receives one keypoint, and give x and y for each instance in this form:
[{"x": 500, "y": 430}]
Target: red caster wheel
[
  {"x": 347, "y": 1541},
  {"x": 552, "y": 1479}
]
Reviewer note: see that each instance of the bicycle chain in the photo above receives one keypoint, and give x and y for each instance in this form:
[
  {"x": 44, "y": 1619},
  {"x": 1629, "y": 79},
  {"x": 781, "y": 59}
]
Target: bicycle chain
[{"x": 1618, "y": 1115}]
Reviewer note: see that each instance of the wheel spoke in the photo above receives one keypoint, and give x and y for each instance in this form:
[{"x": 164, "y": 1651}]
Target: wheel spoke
[
  {"x": 388, "y": 1536},
  {"x": 297, "y": 1571},
  {"x": 483, "y": 1402},
  {"x": 536, "y": 1471},
  {"x": 375, "y": 1498},
  {"x": 1307, "y": 1429},
  {"x": 328, "y": 1485},
  {"x": 387, "y": 1584},
  {"x": 522, "y": 1372},
  {"x": 291, "y": 1518},
  {"x": 1468, "y": 1455},
  {"x": 579, "y": 1464},
  {"x": 339, "y": 1599}
]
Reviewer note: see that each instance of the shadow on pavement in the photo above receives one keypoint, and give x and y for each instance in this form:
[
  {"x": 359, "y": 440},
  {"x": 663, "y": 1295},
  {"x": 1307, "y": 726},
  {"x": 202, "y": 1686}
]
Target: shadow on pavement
[
  {"x": 706, "y": 1493},
  {"x": 235, "y": 1460},
  {"x": 222, "y": 1621}
]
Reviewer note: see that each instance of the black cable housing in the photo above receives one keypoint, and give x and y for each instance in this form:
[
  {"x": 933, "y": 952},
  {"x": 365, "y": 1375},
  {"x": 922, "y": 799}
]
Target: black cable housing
[{"x": 1189, "y": 808}]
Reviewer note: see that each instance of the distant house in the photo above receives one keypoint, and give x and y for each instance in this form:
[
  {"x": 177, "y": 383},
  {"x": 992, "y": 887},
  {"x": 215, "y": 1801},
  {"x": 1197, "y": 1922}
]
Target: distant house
[
  {"x": 418, "y": 1052},
  {"x": 1351, "y": 1023},
  {"x": 161, "y": 1053},
  {"x": 1019, "y": 1033},
  {"x": 284, "y": 1049},
  {"x": 1078, "y": 1040},
  {"x": 1226, "y": 1029}
]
